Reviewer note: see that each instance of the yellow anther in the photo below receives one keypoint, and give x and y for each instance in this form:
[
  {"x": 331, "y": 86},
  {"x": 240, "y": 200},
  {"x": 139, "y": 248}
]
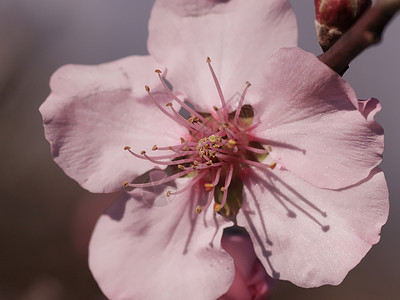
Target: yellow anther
[
  {"x": 158, "y": 71},
  {"x": 193, "y": 167},
  {"x": 248, "y": 83},
  {"x": 185, "y": 148},
  {"x": 125, "y": 183},
  {"x": 154, "y": 148},
  {"x": 168, "y": 104},
  {"x": 181, "y": 167},
  {"x": 272, "y": 165},
  {"x": 146, "y": 87},
  {"x": 198, "y": 209},
  {"x": 212, "y": 138},
  {"x": 209, "y": 163},
  {"x": 223, "y": 189},
  {"x": 143, "y": 152},
  {"x": 208, "y": 187},
  {"x": 195, "y": 162},
  {"x": 168, "y": 193},
  {"x": 193, "y": 119},
  {"x": 217, "y": 207},
  {"x": 170, "y": 148},
  {"x": 215, "y": 108},
  {"x": 127, "y": 148},
  {"x": 208, "y": 60},
  {"x": 231, "y": 144}
]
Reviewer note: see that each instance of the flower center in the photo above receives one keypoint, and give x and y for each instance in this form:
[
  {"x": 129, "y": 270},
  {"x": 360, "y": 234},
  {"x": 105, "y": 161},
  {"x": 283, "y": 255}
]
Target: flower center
[{"x": 219, "y": 145}]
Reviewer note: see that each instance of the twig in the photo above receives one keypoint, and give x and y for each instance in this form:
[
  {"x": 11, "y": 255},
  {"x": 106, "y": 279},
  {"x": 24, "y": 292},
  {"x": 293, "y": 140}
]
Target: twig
[{"x": 365, "y": 32}]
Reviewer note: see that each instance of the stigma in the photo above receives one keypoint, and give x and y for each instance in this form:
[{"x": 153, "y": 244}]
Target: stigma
[{"x": 218, "y": 146}]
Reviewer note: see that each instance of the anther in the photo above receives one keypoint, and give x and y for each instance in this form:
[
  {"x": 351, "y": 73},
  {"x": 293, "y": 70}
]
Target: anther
[
  {"x": 143, "y": 152},
  {"x": 158, "y": 71},
  {"x": 223, "y": 189},
  {"x": 217, "y": 207},
  {"x": 215, "y": 108},
  {"x": 272, "y": 165},
  {"x": 181, "y": 167},
  {"x": 154, "y": 148},
  {"x": 193, "y": 119},
  {"x": 209, "y": 163},
  {"x": 168, "y": 193},
  {"x": 208, "y": 60},
  {"x": 198, "y": 209},
  {"x": 248, "y": 83},
  {"x": 146, "y": 87},
  {"x": 269, "y": 148},
  {"x": 182, "y": 140},
  {"x": 168, "y": 104},
  {"x": 125, "y": 183},
  {"x": 231, "y": 144},
  {"x": 127, "y": 148},
  {"x": 208, "y": 187}
]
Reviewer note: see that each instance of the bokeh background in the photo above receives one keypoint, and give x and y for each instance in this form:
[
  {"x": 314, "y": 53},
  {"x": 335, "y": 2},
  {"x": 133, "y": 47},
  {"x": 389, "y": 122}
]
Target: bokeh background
[{"x": 46, "y": 218}]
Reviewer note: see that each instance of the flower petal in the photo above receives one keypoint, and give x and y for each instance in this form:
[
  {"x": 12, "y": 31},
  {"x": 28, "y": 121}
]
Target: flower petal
[
  {"x": 237, "y": 35},
  {"x": 93, "y": 112},
  {"x": 308, "y": 235},
  {"x": 310, "y": 116},
  {"x": 143, "y": 252}
]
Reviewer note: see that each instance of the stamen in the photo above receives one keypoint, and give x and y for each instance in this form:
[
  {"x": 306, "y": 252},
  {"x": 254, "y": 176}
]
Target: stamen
[
  {"x": 183, "y": 104},
  {"x": 239, "y": 108},
  {"x": 157, "y": 182},
  {"x": 191, "y": 183},
  {"x": 221, "y": 95},
  {"x": 258, "y": 164},
  {"x": 257, "y": 150},
  {"x": 228, "y": 180}
]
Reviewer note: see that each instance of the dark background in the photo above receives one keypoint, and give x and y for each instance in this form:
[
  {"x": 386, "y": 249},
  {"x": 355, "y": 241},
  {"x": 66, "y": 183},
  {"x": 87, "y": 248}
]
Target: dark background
[{"x": 46, "y": 218}]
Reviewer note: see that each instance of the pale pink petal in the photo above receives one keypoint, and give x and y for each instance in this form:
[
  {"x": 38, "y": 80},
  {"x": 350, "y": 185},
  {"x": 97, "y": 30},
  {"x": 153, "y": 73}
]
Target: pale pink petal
[
  {"x": 237, "y": 35},
  {"x": 170, "y": 252},
  {"x": 93, "y": 112},
  {"x": 308, "y": 235},
  {"x": 310, "y": 117},
  {"x": 251, "y": 280}
]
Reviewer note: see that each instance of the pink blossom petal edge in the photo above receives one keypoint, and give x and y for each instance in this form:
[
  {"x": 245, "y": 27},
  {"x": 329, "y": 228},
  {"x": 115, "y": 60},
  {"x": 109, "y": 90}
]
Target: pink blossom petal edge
[
  {"x": 251, "y": 280},
  {"x": 93, "y": 112},
  {"x": 312, "y": 236},
  {"x": 142, "y": 252},
  {"x": 237, "y": 35},
  {"x": 311, "y": 118}
]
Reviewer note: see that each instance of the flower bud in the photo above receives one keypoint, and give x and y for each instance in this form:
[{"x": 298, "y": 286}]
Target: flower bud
[{"x": 334, "y": 17}]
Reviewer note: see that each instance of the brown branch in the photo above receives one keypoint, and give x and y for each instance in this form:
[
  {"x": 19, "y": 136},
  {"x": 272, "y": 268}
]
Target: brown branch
[{"x": 365, "y": 32}]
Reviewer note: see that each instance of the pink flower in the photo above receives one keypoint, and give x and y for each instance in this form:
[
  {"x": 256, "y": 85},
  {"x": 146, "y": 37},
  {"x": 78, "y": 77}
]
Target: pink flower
[
  {"x": 292, "y": 158},
  {"x": 251, "y": 280}
]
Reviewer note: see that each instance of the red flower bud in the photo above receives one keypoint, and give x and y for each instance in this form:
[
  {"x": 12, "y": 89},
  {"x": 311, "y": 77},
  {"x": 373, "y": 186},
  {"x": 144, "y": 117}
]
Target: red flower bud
[{"x": 334, "y": 17}]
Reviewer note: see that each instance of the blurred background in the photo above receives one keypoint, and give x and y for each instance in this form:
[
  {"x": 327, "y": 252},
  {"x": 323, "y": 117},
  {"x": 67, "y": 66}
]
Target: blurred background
[{"x": 46, "y": 218}]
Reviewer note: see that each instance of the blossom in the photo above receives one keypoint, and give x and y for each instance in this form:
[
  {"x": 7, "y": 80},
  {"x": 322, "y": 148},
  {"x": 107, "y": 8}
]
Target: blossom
[
  {"x": 291, "y": 155},
  {"x": 251, "y": 280}
]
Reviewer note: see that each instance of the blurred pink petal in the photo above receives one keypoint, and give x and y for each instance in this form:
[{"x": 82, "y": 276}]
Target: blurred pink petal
[{"x": 251, "y": 280}]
